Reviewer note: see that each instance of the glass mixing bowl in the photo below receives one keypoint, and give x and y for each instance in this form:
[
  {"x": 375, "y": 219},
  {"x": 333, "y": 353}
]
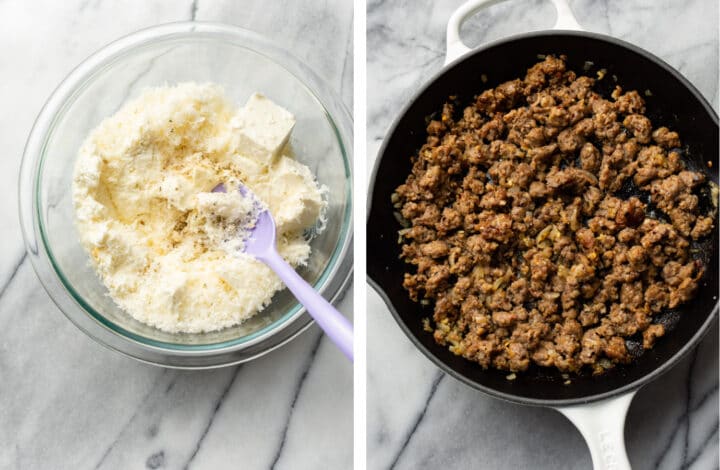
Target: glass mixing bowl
[{"x": 243, "y": 63}]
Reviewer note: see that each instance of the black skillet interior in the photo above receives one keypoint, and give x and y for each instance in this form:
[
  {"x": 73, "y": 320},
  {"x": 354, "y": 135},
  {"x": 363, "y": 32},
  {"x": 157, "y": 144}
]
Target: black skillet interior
[{"x": 672, "y": 102}]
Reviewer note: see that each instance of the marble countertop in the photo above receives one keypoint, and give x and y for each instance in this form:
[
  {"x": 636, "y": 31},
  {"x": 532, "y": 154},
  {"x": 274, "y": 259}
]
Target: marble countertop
[
  {"x": 418, "y": 417},
  {"x": 68, "y": 403}
]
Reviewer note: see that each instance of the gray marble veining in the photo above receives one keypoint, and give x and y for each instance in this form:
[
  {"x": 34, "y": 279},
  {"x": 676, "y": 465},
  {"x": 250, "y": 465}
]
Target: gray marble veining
[
  {"x": 420, "y": 418},
  {"x": 68, "y": 403}
]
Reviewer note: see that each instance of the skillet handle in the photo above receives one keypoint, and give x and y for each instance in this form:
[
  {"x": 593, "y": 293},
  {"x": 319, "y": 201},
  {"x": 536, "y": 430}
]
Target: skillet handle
[
  {"x": 455, "y": 46},
  {"x": 602, "y": 424}
]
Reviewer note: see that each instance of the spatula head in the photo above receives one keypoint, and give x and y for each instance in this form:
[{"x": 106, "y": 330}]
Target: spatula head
[{"x": 261, "y": 238}]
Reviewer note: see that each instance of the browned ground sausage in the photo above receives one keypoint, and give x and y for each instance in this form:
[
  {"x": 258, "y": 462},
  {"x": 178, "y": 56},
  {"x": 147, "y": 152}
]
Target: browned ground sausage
[{"x": 518, "y": 237}]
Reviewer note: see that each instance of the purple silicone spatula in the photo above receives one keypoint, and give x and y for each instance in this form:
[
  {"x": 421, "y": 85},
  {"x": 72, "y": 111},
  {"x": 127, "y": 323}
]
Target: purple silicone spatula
[{"x": 260, "y": 243}]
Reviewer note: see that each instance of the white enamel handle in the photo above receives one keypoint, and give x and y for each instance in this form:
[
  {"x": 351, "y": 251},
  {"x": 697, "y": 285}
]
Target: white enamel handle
[
  {"x": 602, "y": 424},
  {"x": 455, "y": 46}
]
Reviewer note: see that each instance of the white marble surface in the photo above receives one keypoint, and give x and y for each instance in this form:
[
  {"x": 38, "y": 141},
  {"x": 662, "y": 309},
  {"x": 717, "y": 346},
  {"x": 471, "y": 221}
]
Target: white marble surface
[
  {"x": 418, "y": 417},
  {"x": 68, "y": 403}
]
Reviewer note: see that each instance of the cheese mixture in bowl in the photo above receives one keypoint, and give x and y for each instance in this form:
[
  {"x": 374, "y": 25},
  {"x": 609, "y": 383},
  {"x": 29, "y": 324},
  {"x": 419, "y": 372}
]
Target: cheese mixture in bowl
[
  {"x": 158, "y": 237},
  {"x": 122, "y": 79}
]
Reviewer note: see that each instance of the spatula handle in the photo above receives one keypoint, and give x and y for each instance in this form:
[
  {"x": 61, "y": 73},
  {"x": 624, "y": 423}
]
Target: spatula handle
[{"x": 335, "y": 325}]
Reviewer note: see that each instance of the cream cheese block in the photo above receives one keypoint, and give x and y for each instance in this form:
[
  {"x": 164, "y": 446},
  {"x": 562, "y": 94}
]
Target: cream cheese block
[
  {"x": 292, "y": 181},
  {"x": 263, "y": 129}
]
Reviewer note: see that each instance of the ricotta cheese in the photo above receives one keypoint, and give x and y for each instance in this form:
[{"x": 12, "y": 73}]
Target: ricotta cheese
[{"x": 164, "y": 245}]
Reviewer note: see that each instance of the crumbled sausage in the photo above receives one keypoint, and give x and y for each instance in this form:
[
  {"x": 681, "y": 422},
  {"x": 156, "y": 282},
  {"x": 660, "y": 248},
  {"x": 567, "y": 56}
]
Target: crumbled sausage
[
  {"x": 520, "y": 236},
  {"x": 666, "y": 138},
  {"x": 640, "y": 126},
  {"x": 652, "y": 333}
]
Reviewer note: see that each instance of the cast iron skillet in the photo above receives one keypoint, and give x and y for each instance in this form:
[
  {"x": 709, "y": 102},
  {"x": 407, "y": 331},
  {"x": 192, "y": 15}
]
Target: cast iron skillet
[{"x": 672, "y": 101}]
